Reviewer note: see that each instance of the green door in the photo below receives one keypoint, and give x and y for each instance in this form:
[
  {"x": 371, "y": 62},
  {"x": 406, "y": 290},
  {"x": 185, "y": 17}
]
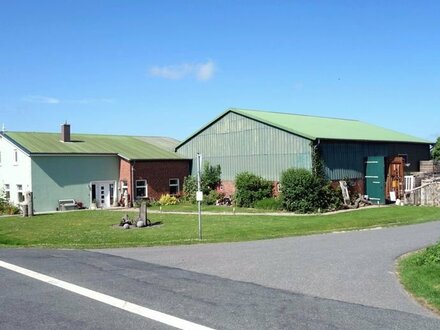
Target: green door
[{"x": 375, "y": 179}]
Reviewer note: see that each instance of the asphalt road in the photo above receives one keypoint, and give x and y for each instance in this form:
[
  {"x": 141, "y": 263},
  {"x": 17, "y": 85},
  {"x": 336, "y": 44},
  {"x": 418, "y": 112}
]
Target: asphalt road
[
  {"x": 356, "y": 266},
  {"x": 214, "y": 300}
]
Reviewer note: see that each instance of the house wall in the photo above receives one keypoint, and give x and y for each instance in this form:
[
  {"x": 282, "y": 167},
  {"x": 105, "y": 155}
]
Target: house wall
[
  {"x": 14, "y": 173},
  {"x": 240, "y": 144},
  {"x": 346, "y": 159},
  {"x": 63, "y": 177},
  {"x": 157, "y": 173}
]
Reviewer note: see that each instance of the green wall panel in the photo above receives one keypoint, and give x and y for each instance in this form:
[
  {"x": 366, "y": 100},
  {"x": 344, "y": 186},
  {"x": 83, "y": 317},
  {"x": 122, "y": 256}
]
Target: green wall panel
[
  {"x": 346, "y": 159},
  {"x": 241, "y": 144},
  {"x": 62, "y": 177}
]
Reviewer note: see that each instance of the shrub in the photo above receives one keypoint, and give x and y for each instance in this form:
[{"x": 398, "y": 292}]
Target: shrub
[
  {"x": 168, "y": 200},
  {"x": 273, "y": 203},
  {"x": 189, "y": 189},
  {"x": 301, "y": 190},
  {"x": 330, "y": 198},
  {"x": 251, "y": 188},
  {"x": 305, "y": 193},
  {"x": 430, "y": 256},
  {"x": 212, "y": 197}
]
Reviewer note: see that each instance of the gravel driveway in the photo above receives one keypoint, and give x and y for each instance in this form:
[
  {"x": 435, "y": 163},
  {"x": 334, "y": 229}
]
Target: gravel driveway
[{"x": 356, "y": 267}]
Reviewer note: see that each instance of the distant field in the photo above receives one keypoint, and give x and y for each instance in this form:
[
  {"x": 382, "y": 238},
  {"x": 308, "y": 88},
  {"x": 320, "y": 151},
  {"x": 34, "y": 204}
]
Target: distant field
[{"x": 99, "y": 229}]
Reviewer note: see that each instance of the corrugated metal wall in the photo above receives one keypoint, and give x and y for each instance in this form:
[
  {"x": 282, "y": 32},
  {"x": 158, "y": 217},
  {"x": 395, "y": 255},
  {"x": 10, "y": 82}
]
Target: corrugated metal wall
[
  {"x": 240, "y": 144},
  {"x": 346, "y": 159}
]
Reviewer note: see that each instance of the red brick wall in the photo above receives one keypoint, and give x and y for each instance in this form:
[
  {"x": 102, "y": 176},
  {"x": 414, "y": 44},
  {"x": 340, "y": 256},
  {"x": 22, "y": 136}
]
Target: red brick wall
[
  {"x": 125, "y": 175},
  {"x": 158, "y": 172}
]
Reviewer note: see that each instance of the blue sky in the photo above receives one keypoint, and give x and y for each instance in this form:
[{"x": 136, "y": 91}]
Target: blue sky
[{"x": 168, "y": 67}]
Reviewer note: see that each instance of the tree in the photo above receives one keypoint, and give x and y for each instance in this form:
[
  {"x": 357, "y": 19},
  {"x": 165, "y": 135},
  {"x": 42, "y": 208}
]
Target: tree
[
  {"x": 435, "y": 153},
  {"x": 210, "y": 177}
]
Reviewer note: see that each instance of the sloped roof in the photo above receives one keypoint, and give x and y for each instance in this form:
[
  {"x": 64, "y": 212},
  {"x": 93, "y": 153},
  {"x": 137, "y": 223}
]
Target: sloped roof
[
  {"x": 128, "y": 147},
  {"x": 314, "y": 127}
]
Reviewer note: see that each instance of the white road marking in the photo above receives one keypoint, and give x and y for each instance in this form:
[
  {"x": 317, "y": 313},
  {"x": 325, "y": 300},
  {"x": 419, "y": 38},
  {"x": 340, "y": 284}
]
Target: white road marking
[{"x": 109, "y": 300}]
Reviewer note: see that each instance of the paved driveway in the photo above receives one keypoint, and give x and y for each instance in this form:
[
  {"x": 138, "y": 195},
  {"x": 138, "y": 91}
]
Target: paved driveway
[{"x": 356, "y": 267}]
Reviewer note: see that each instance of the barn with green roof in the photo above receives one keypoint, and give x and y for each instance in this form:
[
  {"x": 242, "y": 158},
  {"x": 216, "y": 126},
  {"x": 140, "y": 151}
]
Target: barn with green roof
[
  {"x": 106, "y": 170},
  {"x": 267, "y": 143}
]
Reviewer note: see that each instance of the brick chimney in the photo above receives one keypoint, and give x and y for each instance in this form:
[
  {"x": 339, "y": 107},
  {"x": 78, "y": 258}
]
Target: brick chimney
[{"x": 65, "y": 132}]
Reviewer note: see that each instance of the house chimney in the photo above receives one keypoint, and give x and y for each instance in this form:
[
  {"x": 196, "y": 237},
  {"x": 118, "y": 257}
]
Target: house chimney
[{"x": 65, "y": 132}]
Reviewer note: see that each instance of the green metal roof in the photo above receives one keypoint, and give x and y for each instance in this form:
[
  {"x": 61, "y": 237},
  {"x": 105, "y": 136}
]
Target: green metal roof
[
  {"x": 313, "y": 127},
  {"x": 128, "y": 147}
]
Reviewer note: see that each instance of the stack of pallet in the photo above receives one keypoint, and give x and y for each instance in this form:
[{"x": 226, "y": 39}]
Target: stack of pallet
[{"x": 429, "y": 166}]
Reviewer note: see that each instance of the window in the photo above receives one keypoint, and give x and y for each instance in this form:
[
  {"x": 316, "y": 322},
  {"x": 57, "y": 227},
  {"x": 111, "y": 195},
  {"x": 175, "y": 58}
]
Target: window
[
  {"x": 20, "y": 196},
  {"x": 0, "y": 157},
  {"x": 141, "y": 188},
  {"x": 7, "y": 189},
  {"x": 15, "y": 156},
  {"x": 174, "y": 186}
]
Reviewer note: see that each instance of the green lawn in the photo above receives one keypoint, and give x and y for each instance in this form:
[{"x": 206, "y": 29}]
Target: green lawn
[
  {"x": 420, "y": 274},
  {"x": 95, "y": 229},
  {"x": 188, "y": 207}
]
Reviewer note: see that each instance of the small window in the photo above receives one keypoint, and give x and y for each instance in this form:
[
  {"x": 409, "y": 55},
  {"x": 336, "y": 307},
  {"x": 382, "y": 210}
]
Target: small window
[
  {"x": 174, "y": 186},
  {"x": 15, "y": 156},
  {"x": 0, "y": 157},
  {"x": 20, "y": 196},
  {"x": 7, "y": 189},
  {"x": 141, "y": 188}
]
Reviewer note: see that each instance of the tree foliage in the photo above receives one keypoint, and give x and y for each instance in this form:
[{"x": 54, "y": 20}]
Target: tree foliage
[
  {"x": 210, "y": 177},
  {"x": 435, "y": 153}
]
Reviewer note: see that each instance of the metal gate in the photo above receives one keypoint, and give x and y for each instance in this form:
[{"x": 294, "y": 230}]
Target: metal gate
[{"x": 375, "y": 179}]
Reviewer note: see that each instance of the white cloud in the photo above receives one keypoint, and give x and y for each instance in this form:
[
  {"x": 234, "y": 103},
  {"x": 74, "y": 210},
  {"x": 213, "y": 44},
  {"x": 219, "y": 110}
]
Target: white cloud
[
  {"x": 41, "y": 99},
  {"x": 201, "y": 71},
  {"x": 205, "y": 71}
]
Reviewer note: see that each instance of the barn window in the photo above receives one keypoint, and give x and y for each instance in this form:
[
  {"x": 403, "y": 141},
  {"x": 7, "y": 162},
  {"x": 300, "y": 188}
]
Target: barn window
[
  {"x": 141, "y": 188},
  {"x": 174, "y": 186},
  {"x": 15, "y": 156}
]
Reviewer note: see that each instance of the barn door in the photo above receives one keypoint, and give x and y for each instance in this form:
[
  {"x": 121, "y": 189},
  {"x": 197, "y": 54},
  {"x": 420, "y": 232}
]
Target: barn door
[{"x": 375, "y": 179}]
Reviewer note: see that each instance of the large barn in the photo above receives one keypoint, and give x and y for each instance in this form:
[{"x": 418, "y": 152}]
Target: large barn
[{"x": 267, "y": 143}]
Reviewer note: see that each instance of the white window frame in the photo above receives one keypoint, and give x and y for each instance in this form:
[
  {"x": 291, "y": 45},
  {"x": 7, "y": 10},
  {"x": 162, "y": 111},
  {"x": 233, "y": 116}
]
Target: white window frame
[
  {"x": 0, "y": 158},
  {"x": 7, "y": 191},
  {"x": 20, "y": 195},
  {"x": 144, "y": 185},
  {"x": 177, "y": 184}
]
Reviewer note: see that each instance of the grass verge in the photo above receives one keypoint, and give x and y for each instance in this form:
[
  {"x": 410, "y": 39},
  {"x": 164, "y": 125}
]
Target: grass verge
[
  {"x": 420, "y": 275},
  {"x": 96, "y": 229}
]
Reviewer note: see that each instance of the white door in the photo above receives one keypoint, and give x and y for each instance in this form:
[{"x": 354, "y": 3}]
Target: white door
[{"x": 103, "y": 195}]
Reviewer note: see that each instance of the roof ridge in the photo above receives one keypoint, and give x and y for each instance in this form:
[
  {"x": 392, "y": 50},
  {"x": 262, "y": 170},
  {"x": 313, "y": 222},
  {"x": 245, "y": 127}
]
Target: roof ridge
[{"x": 294, "y": 114}]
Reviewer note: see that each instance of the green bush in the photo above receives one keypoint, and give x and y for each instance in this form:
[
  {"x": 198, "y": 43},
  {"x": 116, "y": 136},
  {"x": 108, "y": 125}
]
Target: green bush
[
  {"x": 251, "y": 188},
  {"x": 430, "y": 256},
  {"x": 304, "y": 192},
  {"x": 212, "y": 197},
  {"x": 301, "y": 191},
  {"x": 330, "y": 198},
  {"x": 189, "y": 189},
  {"x": 274, "y": 203}
]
